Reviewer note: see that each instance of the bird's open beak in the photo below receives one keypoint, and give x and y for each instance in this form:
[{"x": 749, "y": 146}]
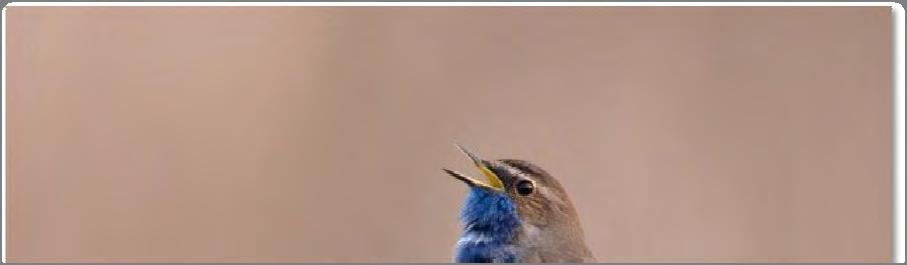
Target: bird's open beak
[{"x": 494, "y": 182}]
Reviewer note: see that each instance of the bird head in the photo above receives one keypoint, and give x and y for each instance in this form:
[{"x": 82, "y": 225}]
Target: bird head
[{"x": 521, "y": 195}]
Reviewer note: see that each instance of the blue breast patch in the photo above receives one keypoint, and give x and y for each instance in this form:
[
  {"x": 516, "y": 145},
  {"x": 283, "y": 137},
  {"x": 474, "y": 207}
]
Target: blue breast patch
[{"x": 490, "y": 223}]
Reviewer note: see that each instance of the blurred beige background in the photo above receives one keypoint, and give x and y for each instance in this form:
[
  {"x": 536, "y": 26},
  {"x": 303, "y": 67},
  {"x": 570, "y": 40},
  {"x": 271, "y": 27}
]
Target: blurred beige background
[{"x": 291, "y": 134}]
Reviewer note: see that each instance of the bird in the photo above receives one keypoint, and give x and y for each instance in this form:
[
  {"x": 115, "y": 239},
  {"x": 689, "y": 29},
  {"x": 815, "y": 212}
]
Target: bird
[{"x": 520, "y": 215}]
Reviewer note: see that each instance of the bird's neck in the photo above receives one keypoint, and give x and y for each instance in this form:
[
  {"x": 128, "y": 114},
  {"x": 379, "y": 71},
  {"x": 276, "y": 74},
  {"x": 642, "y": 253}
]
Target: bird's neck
[
  {"x": 490, "y": 229},
  {"x": 488, "y": 212}
]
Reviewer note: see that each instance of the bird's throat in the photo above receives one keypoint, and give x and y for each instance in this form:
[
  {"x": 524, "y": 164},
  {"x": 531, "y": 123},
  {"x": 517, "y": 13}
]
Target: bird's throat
[{"x": 490, "y": 224}]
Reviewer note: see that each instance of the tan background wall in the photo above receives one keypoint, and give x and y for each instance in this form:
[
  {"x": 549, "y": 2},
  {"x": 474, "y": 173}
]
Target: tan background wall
[{"x": 318, "y": 134}]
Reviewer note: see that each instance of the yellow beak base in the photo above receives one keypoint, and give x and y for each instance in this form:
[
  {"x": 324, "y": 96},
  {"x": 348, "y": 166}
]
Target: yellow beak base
[{"x": 494, "y": 182}]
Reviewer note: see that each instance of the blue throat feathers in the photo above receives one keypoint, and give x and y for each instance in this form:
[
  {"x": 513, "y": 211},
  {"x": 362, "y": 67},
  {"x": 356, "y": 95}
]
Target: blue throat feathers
[{"x": 490, "y": 224}]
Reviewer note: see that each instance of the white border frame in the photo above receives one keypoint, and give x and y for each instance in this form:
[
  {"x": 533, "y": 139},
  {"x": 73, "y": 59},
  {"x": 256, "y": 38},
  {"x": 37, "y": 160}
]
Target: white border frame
[
  {"x": 898, "y": 52},
  {"x": 3, "y": 141},
  {"x": 892, "y": 4},
  {"x": 897, "y": 10}
]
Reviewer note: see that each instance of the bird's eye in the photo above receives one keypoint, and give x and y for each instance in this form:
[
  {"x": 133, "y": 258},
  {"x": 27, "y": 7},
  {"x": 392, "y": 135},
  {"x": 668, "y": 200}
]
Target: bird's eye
[{"x": 524, "y": 187}]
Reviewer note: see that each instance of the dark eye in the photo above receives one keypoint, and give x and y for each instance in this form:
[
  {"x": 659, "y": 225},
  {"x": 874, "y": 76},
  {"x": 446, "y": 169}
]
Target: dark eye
[{"x": 525, "y": 187}]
